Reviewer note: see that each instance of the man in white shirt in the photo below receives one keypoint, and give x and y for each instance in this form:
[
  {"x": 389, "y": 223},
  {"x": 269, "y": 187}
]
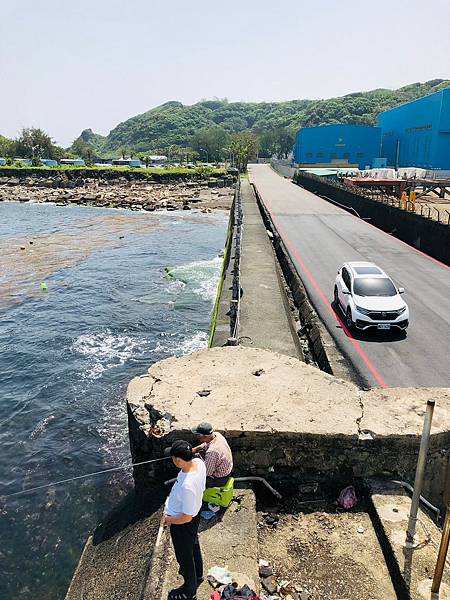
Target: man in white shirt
[{"x": 183, "y": 515}]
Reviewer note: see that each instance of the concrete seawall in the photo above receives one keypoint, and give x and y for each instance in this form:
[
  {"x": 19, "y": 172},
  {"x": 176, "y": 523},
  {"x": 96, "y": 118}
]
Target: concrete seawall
[{"x": 287, "y": 420}]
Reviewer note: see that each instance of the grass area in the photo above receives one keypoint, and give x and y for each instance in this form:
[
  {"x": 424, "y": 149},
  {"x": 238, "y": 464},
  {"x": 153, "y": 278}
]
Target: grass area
[{"x": 112, "y": 172}]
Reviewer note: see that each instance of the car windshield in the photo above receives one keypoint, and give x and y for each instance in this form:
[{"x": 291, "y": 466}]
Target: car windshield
[{"x": 380, "y": 286}]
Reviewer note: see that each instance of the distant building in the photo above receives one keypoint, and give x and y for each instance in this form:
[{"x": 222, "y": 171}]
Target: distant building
[
  {"x": 417, "y": 134},
  {"x": 126, "y": 162},
  {"x": 337, "y": 145},
  {"x": 49, "y": 162},
  {"x": 157, "y": 160},
  {"x": 2, "y": 162},
  {"x": 76, "y": 162}
]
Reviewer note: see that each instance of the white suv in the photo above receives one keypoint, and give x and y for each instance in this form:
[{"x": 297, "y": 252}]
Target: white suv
[{"x": 369, "y": 298}]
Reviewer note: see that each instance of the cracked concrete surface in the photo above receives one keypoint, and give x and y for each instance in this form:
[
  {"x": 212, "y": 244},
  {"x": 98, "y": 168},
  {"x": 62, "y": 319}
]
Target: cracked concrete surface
[{"x": 287, "y": 396}]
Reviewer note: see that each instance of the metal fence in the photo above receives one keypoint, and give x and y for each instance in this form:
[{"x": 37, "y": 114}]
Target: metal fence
[
  {"x": 235, "y": 304},
  {"x": 419, "y": 208}
]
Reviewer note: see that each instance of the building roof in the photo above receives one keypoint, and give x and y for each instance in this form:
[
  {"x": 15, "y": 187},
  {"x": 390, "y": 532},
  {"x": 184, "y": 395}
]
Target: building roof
[{"x": 321, "y": 172}]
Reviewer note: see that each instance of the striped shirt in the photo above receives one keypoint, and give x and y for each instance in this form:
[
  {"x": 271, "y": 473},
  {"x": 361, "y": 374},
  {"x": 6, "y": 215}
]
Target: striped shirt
[{"x": 218, "y": 457}]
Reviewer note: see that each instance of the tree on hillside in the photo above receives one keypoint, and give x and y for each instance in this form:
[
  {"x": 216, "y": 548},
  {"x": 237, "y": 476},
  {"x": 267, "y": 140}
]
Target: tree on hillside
[
  {"x": 243, "y": 148},
  {"x": 84, "y": 150},
  {"x": 285, "y": 141},
  {"x": 268, "y": 144},
  {"x": 7, "y": 147},
  {"x": 209, "y": 142},
  {"x": 35, "y": 144},
  {"x": 276, "y": 142}
]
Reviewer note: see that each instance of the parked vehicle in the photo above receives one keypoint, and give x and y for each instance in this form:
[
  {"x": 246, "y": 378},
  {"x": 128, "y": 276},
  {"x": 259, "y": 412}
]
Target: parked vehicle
[{"x": 369, "y": 298}]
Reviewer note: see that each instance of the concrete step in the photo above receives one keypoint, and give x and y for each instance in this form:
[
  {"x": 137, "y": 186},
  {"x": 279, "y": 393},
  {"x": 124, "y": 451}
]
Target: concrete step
[
  {"x": 411, "y": 569},
  {"x": 230, "y": 541}
]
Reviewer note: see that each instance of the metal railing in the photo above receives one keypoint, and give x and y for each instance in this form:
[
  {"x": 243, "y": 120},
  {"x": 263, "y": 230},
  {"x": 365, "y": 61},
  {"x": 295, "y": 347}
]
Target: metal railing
[
  {"x": 235, "y": 304},
  {"x": 418, "y": 208}
]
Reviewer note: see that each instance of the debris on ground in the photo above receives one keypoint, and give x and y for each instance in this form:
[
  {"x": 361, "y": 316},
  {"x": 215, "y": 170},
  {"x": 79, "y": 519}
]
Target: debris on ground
[
  {"x": 318, "y": 551},
  {"x": 271, "y": 519},
  {"x": 347, "y": 498}
]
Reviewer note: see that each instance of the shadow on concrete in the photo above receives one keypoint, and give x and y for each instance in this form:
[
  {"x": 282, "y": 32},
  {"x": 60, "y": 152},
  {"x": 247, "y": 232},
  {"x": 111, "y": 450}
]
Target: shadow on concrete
[{"x": 133, "y": 508}]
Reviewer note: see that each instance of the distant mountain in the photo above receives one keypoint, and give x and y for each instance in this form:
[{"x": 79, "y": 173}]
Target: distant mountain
[{"x": 173, "y": 123}]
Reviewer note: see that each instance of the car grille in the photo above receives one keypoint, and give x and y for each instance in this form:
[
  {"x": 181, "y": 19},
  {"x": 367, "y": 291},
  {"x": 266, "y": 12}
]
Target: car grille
[{"x": 388, "y": 315}]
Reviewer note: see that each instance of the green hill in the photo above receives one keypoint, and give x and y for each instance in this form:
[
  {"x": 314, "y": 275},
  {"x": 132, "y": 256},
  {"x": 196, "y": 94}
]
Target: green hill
[{"x": 173, "y": 123}]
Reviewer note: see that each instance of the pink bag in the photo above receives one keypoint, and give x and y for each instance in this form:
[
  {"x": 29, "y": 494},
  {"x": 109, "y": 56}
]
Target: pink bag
[{"x": 347, "y": 498}]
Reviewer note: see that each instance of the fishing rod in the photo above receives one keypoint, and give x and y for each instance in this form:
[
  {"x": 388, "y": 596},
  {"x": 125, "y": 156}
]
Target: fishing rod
[{"x": 48, "y": 485}]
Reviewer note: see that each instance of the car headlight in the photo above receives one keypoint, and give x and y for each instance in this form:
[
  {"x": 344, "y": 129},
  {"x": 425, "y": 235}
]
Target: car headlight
[
  {"x": 402, "y": 310},
  {"x": 363, "y": 311}
]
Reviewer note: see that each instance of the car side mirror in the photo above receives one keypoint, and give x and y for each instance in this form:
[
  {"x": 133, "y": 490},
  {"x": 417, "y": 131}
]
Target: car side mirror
[{"x": 401, "y": 290}]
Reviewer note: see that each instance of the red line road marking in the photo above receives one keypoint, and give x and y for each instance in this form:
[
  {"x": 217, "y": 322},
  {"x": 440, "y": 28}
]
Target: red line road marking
[{"x": 327, "y": 303}]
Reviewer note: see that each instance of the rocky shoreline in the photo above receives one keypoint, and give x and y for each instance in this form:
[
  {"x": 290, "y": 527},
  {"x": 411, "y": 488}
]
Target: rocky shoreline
[{"x": 205, "y": 195}]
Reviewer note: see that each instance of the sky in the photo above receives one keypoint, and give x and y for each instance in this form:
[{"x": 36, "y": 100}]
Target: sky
[{"x": 70, "y": 65}]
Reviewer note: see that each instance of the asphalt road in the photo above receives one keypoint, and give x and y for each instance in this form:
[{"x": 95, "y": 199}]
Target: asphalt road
[{"x": 320, "y": 237}]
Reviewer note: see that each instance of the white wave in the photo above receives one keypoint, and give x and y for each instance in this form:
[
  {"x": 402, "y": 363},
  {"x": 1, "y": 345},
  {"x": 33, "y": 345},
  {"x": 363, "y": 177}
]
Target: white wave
[
  {"x": 41, "y": 426},
  {"x": 105, "y": 351},
  {"x": 200, "y": 277},
  {"x": 199, "y": 341},
  {"x": 113, "y": 426},
  {"x": 176, "y": 347}
]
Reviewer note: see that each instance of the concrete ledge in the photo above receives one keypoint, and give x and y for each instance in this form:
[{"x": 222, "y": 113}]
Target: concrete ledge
[
  {"x": 284, "y": 418},
  {"x": 412, "y": 568}
]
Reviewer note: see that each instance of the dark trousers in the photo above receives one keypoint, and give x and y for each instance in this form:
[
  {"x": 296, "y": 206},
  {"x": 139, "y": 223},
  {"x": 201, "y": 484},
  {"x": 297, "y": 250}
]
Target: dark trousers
[
  {"x": 188, "y": 553},
  {"x": 217, "y": 481}
]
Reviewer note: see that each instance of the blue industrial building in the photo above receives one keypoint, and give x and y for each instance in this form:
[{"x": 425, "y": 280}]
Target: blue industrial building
[
  {"x": 356, "y": 145},
  {"x": 417, "y": 134}
]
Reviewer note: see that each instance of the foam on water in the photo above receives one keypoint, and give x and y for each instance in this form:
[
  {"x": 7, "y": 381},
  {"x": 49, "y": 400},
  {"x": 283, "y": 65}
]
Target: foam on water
[
  {"x": 105, "y": 351},
  {"x": 41, "y": 426},
  {"x": 200, "y": 277}
]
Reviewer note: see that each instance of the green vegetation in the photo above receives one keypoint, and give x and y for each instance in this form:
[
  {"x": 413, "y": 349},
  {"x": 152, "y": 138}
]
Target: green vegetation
[
  {"x": 210, "y": 130},
  {"x": 32, "y": 143},
  {"x": 114, "y": 172},
  {"x": 173, "y": 125},
  {"x": 243, "y": 148}
]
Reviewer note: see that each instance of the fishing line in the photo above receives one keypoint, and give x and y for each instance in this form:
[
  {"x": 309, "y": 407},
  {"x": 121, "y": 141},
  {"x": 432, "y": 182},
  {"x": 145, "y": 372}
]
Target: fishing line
[{"x": 47, "y": 485}]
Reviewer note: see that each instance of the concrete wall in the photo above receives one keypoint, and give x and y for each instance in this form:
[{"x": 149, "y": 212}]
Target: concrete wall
[
  {"x": 286, "y": 420},
  {"x": 426, "y": 235},
  {"x": 283, "y": 167},
  {"x": 296, "y": 457},
  {"x": 322, "y": 346}
]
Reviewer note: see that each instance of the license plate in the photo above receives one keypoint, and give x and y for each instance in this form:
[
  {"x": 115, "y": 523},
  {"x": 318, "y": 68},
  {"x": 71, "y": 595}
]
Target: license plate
[{"x": 383, "y": 326}]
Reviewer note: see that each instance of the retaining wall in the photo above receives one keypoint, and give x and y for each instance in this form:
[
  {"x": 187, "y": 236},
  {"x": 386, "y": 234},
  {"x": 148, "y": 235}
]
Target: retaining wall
[
  {"x": 286, "y": 420},
  {"x": 426, "y": 235}
]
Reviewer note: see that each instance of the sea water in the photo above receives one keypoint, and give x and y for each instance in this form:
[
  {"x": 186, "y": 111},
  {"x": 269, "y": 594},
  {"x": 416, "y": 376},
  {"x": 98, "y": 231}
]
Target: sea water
[{"x": 123, "y": 290}]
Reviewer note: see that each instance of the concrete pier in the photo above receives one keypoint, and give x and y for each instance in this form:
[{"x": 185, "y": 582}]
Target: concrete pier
[{"x": 265, "y": 320}]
